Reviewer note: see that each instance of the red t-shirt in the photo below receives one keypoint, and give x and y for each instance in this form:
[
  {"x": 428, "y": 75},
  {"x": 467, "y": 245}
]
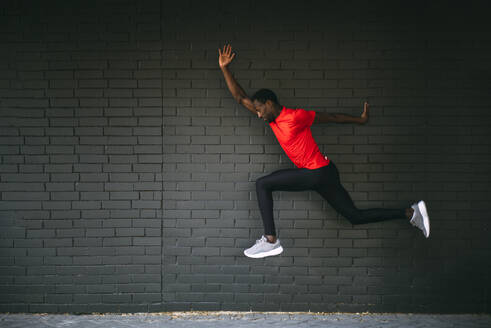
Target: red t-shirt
[{"x": 292, "y": 129}]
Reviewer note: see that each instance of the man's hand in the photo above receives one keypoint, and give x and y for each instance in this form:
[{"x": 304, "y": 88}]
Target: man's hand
[
  {"x": 225, "y": 57},
  {"x": 364, "y": 115}
]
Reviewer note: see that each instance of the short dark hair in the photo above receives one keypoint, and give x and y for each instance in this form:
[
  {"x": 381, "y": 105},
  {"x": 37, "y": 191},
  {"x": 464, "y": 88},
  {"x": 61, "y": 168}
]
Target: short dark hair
[{"x": 263, "y": 95}]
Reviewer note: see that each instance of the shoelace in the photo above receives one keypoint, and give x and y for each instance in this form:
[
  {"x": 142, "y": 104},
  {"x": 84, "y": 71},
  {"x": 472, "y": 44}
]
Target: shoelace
[{"x": 259, "y": 240}]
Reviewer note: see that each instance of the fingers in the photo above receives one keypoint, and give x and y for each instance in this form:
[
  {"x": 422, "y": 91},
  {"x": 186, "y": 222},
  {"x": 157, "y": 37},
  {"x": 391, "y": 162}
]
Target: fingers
[
  {"x": 226, "y": 51},
  {"x": 365, "y": 110},
  {"x": 233, "y": 55}
]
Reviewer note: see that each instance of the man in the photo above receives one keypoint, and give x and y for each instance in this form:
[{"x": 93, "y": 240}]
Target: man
[{"x": 314, "y": 171}]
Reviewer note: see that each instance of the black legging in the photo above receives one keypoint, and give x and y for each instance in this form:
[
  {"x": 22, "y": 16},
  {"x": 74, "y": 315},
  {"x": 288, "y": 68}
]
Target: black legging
[{"x": 325, "y": 181}]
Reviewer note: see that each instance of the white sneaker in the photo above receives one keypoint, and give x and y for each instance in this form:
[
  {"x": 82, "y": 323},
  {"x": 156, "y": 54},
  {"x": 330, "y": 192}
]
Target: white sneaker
[
  {"x": 263, "y": 248},
  {"x": 420, "y": 218}
]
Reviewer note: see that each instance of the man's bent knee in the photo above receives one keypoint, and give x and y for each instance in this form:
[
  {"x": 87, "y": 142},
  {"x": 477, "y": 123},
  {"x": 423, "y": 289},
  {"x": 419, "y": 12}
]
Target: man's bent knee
[{"x": 261, "y": 184}]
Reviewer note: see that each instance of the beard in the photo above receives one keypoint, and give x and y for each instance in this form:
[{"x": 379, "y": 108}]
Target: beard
[{"x": 270, "y": 118}]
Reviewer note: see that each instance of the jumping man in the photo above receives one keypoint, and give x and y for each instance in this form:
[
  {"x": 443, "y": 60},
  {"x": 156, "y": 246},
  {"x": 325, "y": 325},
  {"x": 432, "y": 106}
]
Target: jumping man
[{"x": 314, "y": 171}]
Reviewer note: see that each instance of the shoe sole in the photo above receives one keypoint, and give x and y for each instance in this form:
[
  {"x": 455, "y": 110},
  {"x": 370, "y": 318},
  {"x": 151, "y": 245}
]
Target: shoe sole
[
  {"x": 273, "y": 252},
  {"x": 426, "y": 218}
]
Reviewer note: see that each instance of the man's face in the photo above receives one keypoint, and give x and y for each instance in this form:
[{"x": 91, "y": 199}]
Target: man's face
[{"x": 264, "y": 111}]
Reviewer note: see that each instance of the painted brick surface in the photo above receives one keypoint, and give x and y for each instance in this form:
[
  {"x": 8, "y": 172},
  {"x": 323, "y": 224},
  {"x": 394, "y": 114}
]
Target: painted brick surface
[
  {"x": 81, "y": 148},
  {"x": 127, "y": 171}
]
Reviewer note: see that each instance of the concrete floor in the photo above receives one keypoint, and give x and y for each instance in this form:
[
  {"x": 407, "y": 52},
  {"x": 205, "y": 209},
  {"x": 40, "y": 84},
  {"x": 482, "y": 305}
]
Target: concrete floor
[{"x": 243, "y": 319}]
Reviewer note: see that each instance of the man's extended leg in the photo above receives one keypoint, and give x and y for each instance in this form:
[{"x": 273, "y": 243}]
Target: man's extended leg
[
  {"x": 333, "y": 191},
  {"x": 341, "y": 201}
]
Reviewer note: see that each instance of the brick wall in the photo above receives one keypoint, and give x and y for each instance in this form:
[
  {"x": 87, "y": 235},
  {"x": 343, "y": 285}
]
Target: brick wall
[
  {"x": 127, "y": 170},
  {"x": 81, "y": 149}
]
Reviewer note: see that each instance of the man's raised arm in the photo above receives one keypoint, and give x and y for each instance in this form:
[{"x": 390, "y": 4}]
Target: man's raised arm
[
  {"x": 224, "y": 59},
  {"x": 321, "y": 117}
]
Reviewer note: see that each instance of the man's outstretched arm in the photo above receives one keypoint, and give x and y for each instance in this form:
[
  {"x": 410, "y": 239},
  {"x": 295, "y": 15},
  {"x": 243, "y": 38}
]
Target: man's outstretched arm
[
  {"x": 321, "y": 117},
  {"x": 224, "y": 59}
]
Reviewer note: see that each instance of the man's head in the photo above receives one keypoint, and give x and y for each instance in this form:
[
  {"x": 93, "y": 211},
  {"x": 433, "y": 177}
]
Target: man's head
[{"x": 266, "y": 104}]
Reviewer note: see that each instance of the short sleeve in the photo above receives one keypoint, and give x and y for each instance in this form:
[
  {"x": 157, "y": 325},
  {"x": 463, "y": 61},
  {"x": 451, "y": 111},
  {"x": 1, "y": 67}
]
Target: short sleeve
[{"x": 304, "y": 118}]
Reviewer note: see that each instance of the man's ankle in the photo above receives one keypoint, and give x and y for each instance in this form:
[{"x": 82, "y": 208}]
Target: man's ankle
[
  {"x": 271, "y": 239},
  {"x": 409, "y": 213}
]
